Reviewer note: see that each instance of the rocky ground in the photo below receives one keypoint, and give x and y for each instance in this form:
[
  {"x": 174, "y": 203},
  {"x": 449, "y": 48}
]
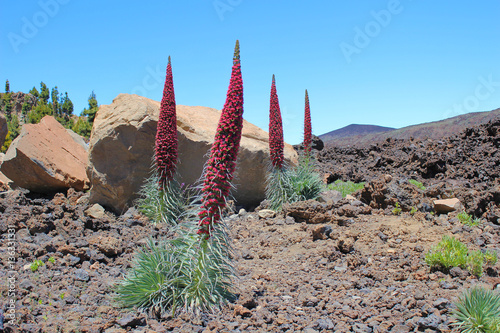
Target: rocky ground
[{"x": 342, "y": 265}]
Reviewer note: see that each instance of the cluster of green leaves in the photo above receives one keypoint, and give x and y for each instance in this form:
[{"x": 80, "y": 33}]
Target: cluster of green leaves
[
  {"x": 417, "y": 184},
  {"x": 467, "y": 219},
  {"x": 397, "y": 209},
  {"x": 180, "y": 273},
  {"x": 36, "y": 264},
  {"x": 345, "y": 188},
  {"x": 478, "y": 311},
  {"x": 299, "y": 183},
  {"x": 450, "y": 252}
]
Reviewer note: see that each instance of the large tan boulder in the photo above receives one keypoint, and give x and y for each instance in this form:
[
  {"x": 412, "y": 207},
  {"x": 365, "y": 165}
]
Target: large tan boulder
[
  {"x": 3, "y": 129},
  {"x": 4, "y": 181},
  {"x": 122, "y": 145},
  {"x": 45, "y": 158}
]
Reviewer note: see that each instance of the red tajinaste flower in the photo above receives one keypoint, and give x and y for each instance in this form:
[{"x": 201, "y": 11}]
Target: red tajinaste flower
[
  {"x": 166, "y": 133},
  {"x": 222, "y": 162},
  {"x": 307, "y": 127},
  {"x": 276, "y": 143}
]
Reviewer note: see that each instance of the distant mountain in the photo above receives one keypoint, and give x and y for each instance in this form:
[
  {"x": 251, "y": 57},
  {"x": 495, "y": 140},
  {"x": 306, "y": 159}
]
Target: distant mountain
[
  {"x": 352, "y": 135},
  {"x": 353, "y": 130}
]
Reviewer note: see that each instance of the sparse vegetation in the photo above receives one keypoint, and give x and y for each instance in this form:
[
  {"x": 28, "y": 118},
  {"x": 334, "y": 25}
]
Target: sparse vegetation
[
  {"x": 467, "y": 219},
  {"x": 345, "y": 188},
  {"x": 450, "y": 252},
  {"x": 35, "y": 265},
  {"x": 413, "y": 210},
  {"x": 417, "y": 184},
  {"x": 478, "y": 311},
  {"x": 397, "y": 209}
]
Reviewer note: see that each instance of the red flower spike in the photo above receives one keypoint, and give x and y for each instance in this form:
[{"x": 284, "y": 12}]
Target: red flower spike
[
  {"x": 276, "y": 144},
  {"x": 307, "y": 127},
  {"x": 166, "y": 133},
  {"x": 222, "y": 161}
]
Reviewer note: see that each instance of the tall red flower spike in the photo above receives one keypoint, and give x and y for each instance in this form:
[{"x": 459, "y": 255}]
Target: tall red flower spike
[
  {"x": 166, "y": 134},
  {"x": 222, "y": 162},
  {"x": 276, "y": 144},
  {"x": 307, "y": 127}
]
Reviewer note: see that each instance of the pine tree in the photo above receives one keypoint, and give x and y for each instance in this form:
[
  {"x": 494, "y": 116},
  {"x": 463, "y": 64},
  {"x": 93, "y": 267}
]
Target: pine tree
[
  {"x": 55, "y": 101},
  {"x": 34, "y": 92},
  {"x": 26, "y": 107},
  {"x": 93, "y": 108},
  {"x": 44, "y": 93},
  {"x": 7, "y": 87},
  {"x": 67, "y": 106}
]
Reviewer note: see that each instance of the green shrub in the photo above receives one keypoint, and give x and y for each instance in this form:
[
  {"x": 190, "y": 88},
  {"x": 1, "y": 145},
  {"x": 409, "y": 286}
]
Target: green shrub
[
  {"x": 180, "y": 273},
  {"x": 305, "y": 183},
  {"x": 478, "y": 311},
  {"x": 417, "y": 184},
  {"x": 413, "y": 210},
  {"x": 345, "y": 188},
  {"x": 467, "y": 219},
  {"x": 450, "y": 252}
]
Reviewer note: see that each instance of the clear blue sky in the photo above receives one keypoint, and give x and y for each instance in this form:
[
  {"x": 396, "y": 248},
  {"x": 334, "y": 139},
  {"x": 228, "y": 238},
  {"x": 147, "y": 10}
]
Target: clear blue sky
[{"x": 390, "y": 63}]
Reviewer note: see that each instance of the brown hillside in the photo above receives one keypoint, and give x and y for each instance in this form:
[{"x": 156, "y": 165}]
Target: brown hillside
[{"x": 432, "y": 130}]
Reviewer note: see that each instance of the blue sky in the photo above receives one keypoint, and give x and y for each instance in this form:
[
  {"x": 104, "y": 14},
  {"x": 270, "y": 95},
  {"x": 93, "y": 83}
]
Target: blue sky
[{"x": 389, "y": 63}]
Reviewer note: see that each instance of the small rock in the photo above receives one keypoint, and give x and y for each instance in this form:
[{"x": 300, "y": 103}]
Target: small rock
[
  {"x": 432, "y": 322},
  {"x": 82, "y": 275},
  {"x": 458, "y": 272},
  {"x": 242, "y": 212},
  {"x": 26, "y": 284},
  {"x": 96, "y": 211},
  {"x": 73, "y": 260},
  {"x": 330, "y": 195},
  {"x": 131, "y": 321},
  {"x": 321, "y": 232},
  {"x": 325, "y": 324},
  {"x": 361, "y": 328},
  {"x": 383, "y": 236},
  {"x": 266, "y": 214},
  {"x": 248, "y": 255},
  {"x": 289, "y": 220},
  {"x": 441, "y": 303},
  {"x": 446, "y": 205},
  {"x": 350, "y": 197},
  {"x": 309, "y": 330},
  {"x": 240, "y": 310},
  {"x": 345, "y": 244}
]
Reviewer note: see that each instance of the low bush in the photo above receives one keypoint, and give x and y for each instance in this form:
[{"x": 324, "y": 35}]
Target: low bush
[
  {"x": 450, "y": 252},
  {"x": 345, "y": 188},
  {"x": 467, "y": 219}
]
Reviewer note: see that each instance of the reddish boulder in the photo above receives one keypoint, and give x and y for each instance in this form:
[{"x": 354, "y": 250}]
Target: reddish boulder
[{"x": 45, "y": 158}]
